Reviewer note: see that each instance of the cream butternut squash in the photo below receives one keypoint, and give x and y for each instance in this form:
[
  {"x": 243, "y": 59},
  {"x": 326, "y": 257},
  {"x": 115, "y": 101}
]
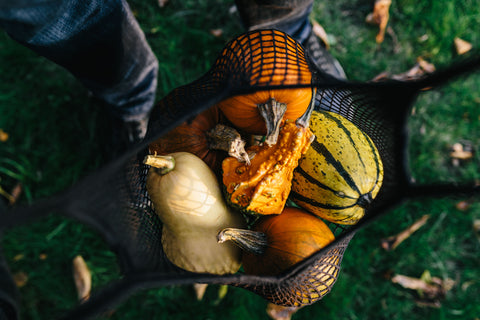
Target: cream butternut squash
[{"x": 186, "y": 196}]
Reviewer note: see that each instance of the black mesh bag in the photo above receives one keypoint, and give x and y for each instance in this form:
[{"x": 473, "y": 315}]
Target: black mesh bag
[{"x": 121, "y": 211}]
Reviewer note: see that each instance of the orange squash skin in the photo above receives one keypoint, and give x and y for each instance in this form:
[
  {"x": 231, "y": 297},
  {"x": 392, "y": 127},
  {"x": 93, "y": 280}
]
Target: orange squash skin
[
  {"x": 192, "y": 137},
  {"x": 263, "y": 186},
  {"x": 267, "y": 58},
  {"x": 242, "y": 110},
  {"x": 292, "y": 236}
]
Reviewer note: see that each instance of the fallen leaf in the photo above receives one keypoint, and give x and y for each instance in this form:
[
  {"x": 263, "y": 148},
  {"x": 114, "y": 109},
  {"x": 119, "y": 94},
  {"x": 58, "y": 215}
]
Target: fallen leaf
[
  {"x": 277, "y": 312},
  {"x": 462, "y": 46},
  {"x": 320, "y": 32},
  {"x": 423, "y": 38},
  {"x": 392, "y": 242},
  {"x": 200, "y": 289},
  {"x": 418, "y": 71},
  {"x": 380, "y": 17},
  {"x": 216, "y": 32},
  {"x": 82, "y": 278},
  {"x": 429, "y": 288},
  {"x": 463, "y": 205},
  {"x": 3, "y": 136},
  {"x": 425, "y": 66},
  {"x": 42, "y": 256},
  {"x": 15, "y": 193},
  {"x": 461, "y": 151},
  {"x": 20, "y": 278}
]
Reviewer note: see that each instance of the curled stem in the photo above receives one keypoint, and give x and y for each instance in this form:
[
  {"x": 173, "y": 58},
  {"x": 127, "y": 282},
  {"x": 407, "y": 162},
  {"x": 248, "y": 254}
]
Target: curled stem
[
  {"x": 248, "y": 240},
  {"x": 304, "y": 120}
]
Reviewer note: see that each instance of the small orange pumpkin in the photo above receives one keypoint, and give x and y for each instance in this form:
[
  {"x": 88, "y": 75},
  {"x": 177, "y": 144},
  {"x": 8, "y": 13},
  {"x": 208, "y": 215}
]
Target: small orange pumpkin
[
  {"x": 269, "y": 57},
  {"x": 276, "y": 243}
]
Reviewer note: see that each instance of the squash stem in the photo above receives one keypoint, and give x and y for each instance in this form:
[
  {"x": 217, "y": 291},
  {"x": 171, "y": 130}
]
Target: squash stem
[
  {"x": 248, "y": 240},
  {"x": 164, "y": 164},
  {"x": 304, "y": 120},
  {"x": 273, "y": 113},
  {"x": 228, "y": 139}
]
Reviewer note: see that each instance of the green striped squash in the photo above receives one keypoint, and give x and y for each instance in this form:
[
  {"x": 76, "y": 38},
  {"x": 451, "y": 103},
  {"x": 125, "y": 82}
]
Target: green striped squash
[{"x": 340, "y": 174}]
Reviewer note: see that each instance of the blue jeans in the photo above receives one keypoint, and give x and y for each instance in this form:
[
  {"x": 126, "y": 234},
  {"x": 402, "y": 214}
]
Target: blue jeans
[{"x": 98, "y": 41}]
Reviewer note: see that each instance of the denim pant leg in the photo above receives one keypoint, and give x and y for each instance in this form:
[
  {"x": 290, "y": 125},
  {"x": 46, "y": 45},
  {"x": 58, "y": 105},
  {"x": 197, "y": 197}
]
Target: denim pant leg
[
  {"x": 289, "y": 16},
  {"x": 98, "y": 41}
]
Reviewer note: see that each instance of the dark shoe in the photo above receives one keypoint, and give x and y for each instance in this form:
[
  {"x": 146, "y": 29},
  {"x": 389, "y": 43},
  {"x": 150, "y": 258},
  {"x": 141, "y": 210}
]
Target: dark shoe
[{"x": 121, "y": 136}]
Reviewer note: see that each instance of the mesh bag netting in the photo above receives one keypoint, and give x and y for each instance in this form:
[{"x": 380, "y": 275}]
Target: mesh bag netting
[{"x": 121, "y": 211}]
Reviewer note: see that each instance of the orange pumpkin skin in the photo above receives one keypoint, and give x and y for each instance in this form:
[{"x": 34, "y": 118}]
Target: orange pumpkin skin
[
  {"x": 268, "y": 57},
  {"x": 263, "y": 186},
  {"x": 243, "y": 113},
  {"x": 192, "y": 137},
  {"x": 292, "y": 236}
]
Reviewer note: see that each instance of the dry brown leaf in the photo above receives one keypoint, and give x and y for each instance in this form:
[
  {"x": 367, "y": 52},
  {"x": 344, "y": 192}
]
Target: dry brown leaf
[
  {"x": 418, "y": 71},
  {"x": 461, "y": 151},
  {"x": 380, "y": 17},
  {"x": 392, "y": 242},
  {"x": 320, "y": 32},
  {"x": 200, "y": 289},
  {"x": 3, "y": 136},
  {"x": 277, "y": 312},
  {"x": 216, "y": 32},
  {"x": 462, "y": 46},
  {"x": 82, "y": 278},
  {"x": 463, "y": 205},
  {"x": 15, "y": 193},
  {"x": 429, "y": 288},
  {"x": 427, "y": 67},
  {"x": 20, "y": 278}
]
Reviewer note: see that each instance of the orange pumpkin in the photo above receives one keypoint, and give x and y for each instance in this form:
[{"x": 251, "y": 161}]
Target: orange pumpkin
[
  {"x": 192, "y": 136},
  {"x": 278, "y": 242},
  {"x": 268, "y": 57},
  {"x": 263, "y": 186}
]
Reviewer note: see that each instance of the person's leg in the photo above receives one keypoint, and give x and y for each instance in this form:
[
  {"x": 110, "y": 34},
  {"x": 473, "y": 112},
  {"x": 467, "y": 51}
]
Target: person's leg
[
  {"x": 291, "y": 17},
  {"x": 98, "y": 41}
]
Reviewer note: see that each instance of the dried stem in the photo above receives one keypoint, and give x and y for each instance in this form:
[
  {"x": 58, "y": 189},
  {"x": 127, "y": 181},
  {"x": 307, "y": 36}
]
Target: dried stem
[
  {"x": 248, "y": 240},
  {"x": 164, "y": 164},
  {"x": 272, "y": 112},
  {"x": 228, "y": 139}
]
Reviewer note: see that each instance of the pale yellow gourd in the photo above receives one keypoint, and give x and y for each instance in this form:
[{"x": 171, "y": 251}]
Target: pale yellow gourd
[{"x": 187, "y": 198}]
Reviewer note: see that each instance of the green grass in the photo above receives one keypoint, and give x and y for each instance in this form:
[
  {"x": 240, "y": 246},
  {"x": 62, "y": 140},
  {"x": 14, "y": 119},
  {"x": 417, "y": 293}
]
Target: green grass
[{"x": 54, "y": 123}]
